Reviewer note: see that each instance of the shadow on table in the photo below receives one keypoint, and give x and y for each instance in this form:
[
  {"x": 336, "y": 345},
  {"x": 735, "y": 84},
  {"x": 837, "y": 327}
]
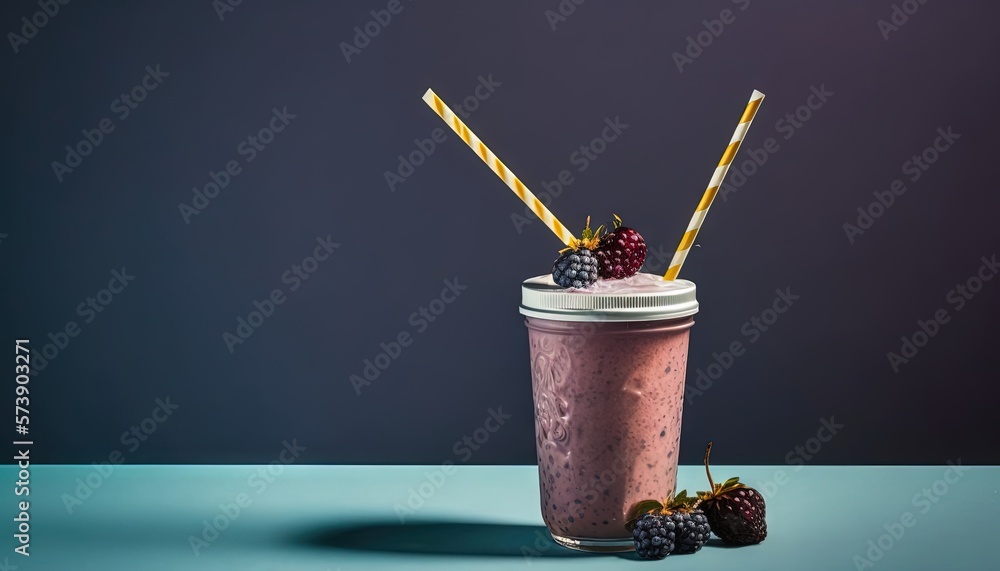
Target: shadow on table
[
  {"x": 716, "y": 542},
  {"x": 440, "y": 538}
]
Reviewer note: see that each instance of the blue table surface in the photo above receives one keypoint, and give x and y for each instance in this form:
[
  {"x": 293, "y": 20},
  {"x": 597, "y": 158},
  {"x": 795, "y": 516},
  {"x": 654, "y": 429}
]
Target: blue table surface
[{"x": 479, "y": 517}]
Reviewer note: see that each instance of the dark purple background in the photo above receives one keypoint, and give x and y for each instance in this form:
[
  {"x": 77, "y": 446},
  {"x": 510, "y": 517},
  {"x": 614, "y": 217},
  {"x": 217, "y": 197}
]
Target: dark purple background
[{"x": 324, "y": 175}]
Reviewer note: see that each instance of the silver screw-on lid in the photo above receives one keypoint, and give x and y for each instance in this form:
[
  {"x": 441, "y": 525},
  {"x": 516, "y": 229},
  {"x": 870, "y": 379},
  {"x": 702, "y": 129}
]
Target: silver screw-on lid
[{"x": 643, "y": 297}]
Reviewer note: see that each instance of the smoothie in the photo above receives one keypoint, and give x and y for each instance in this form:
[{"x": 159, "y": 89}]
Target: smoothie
[{"x": 607, "y": 366}]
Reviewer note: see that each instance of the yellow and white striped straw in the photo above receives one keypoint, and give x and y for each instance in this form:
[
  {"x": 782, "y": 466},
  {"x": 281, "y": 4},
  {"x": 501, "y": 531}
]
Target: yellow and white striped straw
[
  {"x": 499, "y": 168},
  {"x": 713, "y": 186}
]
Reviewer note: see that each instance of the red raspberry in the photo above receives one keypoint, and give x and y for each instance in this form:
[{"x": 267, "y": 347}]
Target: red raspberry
[{"x": 621, "y": 252}]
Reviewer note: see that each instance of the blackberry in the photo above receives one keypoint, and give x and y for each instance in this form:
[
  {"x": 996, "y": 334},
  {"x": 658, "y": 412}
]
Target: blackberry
[
  {"x": 681, "y": 522},
  {"x": 654, "y": 536},
  {"x": 692, "y": 531},
  {"x": 621, "y": 252},
  {"x": 577, "y": 266},
  {"x": 575, "y": 269},
  {"x": 735, "y": 511}
]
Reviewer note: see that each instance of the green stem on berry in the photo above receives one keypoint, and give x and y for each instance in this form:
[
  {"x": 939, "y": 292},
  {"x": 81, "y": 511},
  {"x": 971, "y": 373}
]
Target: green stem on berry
[
  {"x": 711, "y": 484},
  {"x": 587, "y": 232}
]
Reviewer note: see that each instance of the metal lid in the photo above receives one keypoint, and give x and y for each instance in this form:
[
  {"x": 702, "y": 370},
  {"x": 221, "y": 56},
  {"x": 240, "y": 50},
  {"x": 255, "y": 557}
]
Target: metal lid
[{"x": 643, "y": 297}]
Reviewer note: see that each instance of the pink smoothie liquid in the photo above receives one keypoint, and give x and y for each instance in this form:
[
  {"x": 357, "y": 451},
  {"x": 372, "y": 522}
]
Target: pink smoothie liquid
[{"x": 608, "y": 401}]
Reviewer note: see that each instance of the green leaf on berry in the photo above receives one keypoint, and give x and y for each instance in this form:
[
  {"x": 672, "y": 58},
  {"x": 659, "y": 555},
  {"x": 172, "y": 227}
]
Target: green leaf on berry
[
  {"x": 640, "y": 509},
  {"x": 731, "y": 482},
  {"x": 682, "y": 502},
  {"x": 588, "y": 239}
]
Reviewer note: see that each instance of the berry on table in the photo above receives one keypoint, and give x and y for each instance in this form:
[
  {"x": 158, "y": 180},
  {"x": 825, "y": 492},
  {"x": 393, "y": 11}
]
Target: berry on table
[
  {"x": 653, "y": 536},
  {"x": 735, "y": 511},
  {"x": 693, "y": 531},
  {"x": 683, "y": 526}
]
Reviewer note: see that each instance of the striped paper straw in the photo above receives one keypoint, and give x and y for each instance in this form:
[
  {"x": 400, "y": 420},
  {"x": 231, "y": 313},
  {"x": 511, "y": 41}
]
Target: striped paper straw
[
  {"x": 713, "y": 186},
  {"x": 499, "y": 168}
]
